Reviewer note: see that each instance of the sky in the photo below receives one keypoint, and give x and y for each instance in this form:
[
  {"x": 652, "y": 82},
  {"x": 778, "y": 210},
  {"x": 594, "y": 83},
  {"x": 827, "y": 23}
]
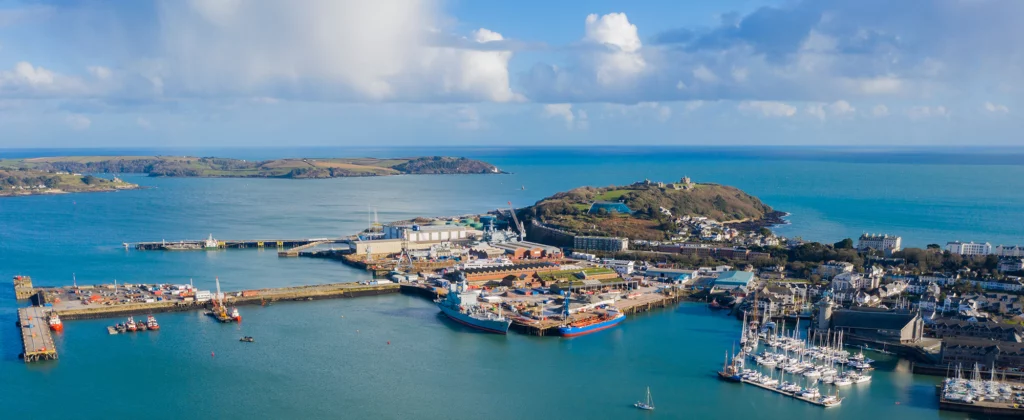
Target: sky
[{"x": 241, "y": 73}]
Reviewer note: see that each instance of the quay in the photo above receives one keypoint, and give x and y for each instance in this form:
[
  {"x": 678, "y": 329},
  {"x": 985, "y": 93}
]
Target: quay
[
  {"x": 549, "y": 327},
  {"x": 68, "y": 311},
  {"x": 22, "y": 287},
  {"x": 788, "y": 394},
  {"x": 240, "y": 244},
  {"x": 35, "y": 335},
  {"x": 989, "y": 408}
]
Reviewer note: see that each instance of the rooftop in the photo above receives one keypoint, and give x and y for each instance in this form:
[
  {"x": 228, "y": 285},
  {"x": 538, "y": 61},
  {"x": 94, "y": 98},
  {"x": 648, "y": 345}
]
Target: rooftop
[
  {"x": 871, "y": 319},
  {"x": 735, "y": 277}
]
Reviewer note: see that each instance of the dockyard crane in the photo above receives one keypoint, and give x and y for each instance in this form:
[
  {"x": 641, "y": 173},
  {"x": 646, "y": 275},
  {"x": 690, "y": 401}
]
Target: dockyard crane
[{"x": 518, "y": 224}]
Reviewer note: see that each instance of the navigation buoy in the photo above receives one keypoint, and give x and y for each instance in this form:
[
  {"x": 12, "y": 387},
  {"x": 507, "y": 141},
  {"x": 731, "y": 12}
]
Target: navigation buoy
[
  {"x": 211, "y": 354},
  {"x": 389, "y": 343}
]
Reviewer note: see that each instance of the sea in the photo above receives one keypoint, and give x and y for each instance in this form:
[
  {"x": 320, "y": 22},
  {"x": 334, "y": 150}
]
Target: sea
[{"x": 395, "y": 356}]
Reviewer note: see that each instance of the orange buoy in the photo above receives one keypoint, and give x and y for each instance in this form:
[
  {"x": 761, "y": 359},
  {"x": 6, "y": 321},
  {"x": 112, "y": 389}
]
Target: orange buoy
[
  {"x": 211, "y": 354},
  {"x": 389, "y": 343}
]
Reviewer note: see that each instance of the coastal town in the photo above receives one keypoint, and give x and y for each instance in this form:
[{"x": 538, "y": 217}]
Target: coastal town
[{"x": 806, "y": 309}]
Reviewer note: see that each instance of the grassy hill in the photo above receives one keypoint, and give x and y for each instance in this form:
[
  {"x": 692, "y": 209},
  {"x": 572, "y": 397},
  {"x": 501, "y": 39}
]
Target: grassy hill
[
  {"x": 33, "y": 182},
  {"x": 570, "y": 210},
  {"x": 189, "y": 166}
]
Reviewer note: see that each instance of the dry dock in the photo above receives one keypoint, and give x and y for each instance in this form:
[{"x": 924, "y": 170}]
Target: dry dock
[{"x": 35, "y": 335}]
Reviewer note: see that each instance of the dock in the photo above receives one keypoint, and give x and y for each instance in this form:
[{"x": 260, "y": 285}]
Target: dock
[
  {"x": 23, "y": 287},
  {"x": 294, "y": 251},
  {"x": 788, "y": 394},
  {"x": 35, "y": 335},
  {"x": 239, "y": 243},
  {"x": 246, "y": 297}
]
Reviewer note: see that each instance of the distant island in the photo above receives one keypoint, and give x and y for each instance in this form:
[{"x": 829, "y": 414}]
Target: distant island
[
  {"x": 654, "y": 211},
  {"x": 212, "y": 167},
  {"x": 17, "y": 182}
]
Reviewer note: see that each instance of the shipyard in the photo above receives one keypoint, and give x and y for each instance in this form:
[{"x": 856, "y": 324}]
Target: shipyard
[{"x": 808, "y": 326}]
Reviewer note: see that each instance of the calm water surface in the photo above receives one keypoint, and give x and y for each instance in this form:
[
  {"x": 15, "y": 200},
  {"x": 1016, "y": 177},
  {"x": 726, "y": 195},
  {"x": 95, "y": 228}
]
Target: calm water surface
[{"x": 330, "y": 359}]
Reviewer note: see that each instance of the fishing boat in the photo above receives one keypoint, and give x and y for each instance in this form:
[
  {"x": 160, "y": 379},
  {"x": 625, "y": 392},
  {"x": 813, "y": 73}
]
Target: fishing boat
[
  {"x": 130, "y": 325},
  {"x": 151, "y": 323},
  {"x": 648, "y": 404},
  {"x": 55, "y": 322},
  {"x": 461, "y": 306}
]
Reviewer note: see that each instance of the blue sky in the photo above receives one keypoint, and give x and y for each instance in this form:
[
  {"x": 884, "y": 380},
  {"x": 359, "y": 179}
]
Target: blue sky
[{"x": 459, "y": 72}]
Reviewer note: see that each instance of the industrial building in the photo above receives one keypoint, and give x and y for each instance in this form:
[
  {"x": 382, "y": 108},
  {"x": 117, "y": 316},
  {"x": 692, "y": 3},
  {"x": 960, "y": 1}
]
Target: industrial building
[
  {"x": 730, "y": 280},
  {"x": 601, "y": 243},
  {"x": 988, "y": 353},
  {"x": 527, "y": 250},
  {"x": 429, "y": 233},
  {"x": 670, "y": 275},
  {"x": 894, "y": 327},
  {"x": 486, "y": 274}
]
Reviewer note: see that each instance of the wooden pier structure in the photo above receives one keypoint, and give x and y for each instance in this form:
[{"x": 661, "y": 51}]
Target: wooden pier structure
[
  {"x": 239, "y": 244},
  {"x": 35, "y": 335}
]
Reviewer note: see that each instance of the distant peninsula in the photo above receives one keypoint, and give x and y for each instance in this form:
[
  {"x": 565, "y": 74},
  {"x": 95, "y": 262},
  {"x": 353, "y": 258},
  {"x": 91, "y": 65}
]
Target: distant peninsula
[
  {"x": 214, "y": 167},
  {"x": 646, "y": 210},
  {"x": 18, "y": 182}
]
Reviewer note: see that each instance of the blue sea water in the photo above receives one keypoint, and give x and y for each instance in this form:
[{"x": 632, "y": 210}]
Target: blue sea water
[{"x": 330, "y": 359}]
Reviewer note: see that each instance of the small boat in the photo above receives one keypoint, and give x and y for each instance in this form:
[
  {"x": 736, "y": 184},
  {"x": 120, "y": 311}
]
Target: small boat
[
  {"x": 235, "y": 315},
  {"x": 247, "y": 339},
  {"x": 646, "y": 405},
  {"x": 111, "y": 330},
  {"x": 151, "y": 323}
]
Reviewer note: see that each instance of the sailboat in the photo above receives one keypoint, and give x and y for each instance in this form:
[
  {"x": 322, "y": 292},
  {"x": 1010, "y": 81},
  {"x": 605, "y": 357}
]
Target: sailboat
[{"x": 645, "y": 405}]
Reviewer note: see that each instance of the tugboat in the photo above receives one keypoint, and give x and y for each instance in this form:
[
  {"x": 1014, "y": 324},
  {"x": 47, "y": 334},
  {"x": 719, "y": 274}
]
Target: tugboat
[
  {"x": 646, "y": 405},
  {"x": 151, "y": 323},
  {"x": 55, "y": 323},
  {"x": 235, "y": 315},
  {"x": 471, "y": 314},
  {"x": 131, "y": 325}
]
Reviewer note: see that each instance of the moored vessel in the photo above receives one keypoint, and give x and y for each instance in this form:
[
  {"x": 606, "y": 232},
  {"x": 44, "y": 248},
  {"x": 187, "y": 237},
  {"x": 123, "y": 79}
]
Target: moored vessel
[
  {"x": 151, "y": 323},
  {"x": 55, "y": 322},
  {"x": 608, "y": 319},
  {"x": 460, "y": 306}
]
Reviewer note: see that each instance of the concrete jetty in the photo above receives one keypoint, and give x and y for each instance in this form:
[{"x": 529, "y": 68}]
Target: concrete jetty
[
  {"x": 71, "y": 311},
  {"x": 35, "y": 335},
  {"x": 236, "y": 243}
]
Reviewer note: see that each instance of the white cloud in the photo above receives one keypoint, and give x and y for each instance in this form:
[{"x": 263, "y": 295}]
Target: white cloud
[
  {"x": 884, "y": 85},
  {"x": 740, "y": 74},
  {"x": 656, "y": 110},
  {"x": 922, "y": 112},
  {"x": 264, "y": 100},
  {"x": 768, "y": 108},
  {"x": 564, "y": 111},
  {"x": 620, "y": 59},
  {"x": 691, "y": 106},
  {"x": 144, "y": 123},
  {"x": 100, "y": 72},
  {"x": 704, "y": 74},
  {"x": 680, "y": 85},
  {"x": 996, "y": 108},
  {"x": 836, "y": 109},
  {"x": 879, "y": 111},
  {"x": 347, "y": 50},
  {"x": 29, "y": 81},
  {"x": 78, "y": 122}
]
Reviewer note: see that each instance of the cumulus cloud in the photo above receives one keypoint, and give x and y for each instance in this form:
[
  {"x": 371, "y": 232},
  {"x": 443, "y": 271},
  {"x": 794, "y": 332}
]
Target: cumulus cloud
[
  {"x": 578, "y": 119},
  {"x": 620, "y": 58},
  {"x": 768, "y": 108},
  {"x": 659, "y": 112},
  {"x": 144, "y": 123},
  {"x": 996, "y": 108},
  {"x": 27, "y": 80},
  {"x": 100, "y": 72},
  {"x": 346, "y": 50},
  {"x": 835, "y": 109},
  {"x": 879, "y": 111},
  {"x": 78, "y": 122},
  {"x": 923, "y": 112}
]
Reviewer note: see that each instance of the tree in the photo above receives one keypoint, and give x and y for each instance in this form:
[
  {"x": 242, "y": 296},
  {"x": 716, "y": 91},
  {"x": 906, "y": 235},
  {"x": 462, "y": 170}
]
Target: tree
[
  {"x": 765, "y": 232},
  {"x": 844, "y": 244},
  {"x": 89, "y": 180},
  {"x": 934, "y": 246}
]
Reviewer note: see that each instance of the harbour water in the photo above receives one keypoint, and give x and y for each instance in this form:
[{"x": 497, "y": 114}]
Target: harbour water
[{"x": 331, "y": 359}]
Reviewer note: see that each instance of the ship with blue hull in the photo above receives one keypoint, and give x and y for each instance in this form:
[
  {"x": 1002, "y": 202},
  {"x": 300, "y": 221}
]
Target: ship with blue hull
[
  {"x": 461, "y": 306},
  {"x": 610, "y": 317}
]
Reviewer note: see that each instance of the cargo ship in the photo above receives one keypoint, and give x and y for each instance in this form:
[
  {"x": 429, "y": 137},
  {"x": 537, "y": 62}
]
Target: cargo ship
[
  {"x": 608, "y": 319},
  {"x": 461, "y": 306}
]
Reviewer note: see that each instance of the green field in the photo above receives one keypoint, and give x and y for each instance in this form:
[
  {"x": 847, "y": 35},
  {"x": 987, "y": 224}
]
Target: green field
[{"x": 611, "y": 195}]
